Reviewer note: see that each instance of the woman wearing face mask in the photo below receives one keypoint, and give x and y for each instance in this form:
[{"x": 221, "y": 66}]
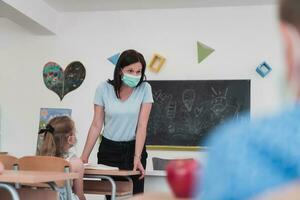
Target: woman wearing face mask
[{"x": 122, "y": 105}]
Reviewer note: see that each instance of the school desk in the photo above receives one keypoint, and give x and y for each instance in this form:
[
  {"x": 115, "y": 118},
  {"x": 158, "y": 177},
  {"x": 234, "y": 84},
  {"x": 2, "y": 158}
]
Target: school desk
[
  {"x": 100, "y": 181},
  {"x": 32, "y": 177}
]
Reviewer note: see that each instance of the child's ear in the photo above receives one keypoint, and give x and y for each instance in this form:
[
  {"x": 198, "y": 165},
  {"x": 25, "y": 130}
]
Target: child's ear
[{"x": 71, "y": 139}]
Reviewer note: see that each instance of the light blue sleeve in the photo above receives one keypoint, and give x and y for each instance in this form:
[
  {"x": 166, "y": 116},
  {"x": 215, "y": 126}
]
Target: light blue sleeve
[
  {"x": 99, "y": 95},
  {"x": 148, "y": 98}
]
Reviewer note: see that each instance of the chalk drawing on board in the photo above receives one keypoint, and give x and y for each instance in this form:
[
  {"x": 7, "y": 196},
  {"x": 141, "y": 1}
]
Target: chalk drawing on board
[
  {"x": 172, "y": 127},
  {"x": 188, "y": 98},
  {"x": 184, "y": 112},
  {"x": 161, "y": 97},
  {"x": 219, "y": 101},
  {"x": 171, "y": 110},
  {"x": 171, "y": 114}
]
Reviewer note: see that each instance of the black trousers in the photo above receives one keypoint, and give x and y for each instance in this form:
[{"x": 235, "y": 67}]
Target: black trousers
[{"x": 121, "y": 155}]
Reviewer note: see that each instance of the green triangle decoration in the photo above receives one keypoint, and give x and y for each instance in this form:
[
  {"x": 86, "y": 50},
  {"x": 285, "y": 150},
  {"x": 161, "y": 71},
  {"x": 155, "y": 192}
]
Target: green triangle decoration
[{"x": 203, "y": 51}]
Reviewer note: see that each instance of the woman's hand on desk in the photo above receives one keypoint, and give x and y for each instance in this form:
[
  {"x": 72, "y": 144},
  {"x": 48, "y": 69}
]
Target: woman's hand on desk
[
  {"x": 137, "y": 165},
  {"x": 84, "y": 160}
]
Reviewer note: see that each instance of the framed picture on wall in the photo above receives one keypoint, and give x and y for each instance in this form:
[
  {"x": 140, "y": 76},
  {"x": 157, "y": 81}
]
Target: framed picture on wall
[{"x": 46, "y": 114}]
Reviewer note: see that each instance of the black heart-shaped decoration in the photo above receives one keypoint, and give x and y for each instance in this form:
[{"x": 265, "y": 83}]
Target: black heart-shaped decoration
[{"x": 62, "y": 82}]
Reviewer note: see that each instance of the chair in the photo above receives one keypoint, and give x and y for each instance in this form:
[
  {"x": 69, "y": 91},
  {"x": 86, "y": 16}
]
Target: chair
[
  {"x": 30, "y": 194},
  {"x": 11, "y": 162},
  {"x": 116, "y": 186},
  {"x": 8, "y": 161},
  {"x": 47, "y": 163},
  {"x": 161, "y": 163}
]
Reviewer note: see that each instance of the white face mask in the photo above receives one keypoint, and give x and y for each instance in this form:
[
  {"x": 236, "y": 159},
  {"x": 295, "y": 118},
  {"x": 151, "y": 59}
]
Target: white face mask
[{"x": 290, "y": 88}]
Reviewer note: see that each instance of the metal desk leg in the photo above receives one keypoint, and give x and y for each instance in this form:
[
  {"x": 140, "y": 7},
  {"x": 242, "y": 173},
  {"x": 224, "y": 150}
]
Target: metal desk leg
[
  {"x": 55, "y": 188},
  {"x": 130, "y": 180},
  {"x": 68, "y": 185},
  {"x": 16, "y": 168},
  {"x": 112, "y": 182},
  {"x": 11, "y": 190},
  {"x": 113, "y": 186}
]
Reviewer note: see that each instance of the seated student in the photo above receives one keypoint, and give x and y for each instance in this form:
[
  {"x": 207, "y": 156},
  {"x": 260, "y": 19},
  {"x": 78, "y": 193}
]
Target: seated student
[
  {"x": 248, "y": 159},
  {"x": 59, "y": 137}
]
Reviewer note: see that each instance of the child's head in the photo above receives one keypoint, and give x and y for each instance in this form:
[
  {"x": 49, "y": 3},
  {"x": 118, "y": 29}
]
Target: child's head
[{"x": 59, "y": 136}]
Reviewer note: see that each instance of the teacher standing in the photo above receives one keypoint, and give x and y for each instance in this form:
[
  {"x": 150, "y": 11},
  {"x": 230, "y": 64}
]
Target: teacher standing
[{"x": 122, "y": 107}]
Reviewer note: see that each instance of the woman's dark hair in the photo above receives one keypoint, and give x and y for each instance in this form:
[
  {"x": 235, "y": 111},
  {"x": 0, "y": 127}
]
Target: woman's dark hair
[
  {"x": 126, "y": 58},
  {"x": 290, "y": 12}
]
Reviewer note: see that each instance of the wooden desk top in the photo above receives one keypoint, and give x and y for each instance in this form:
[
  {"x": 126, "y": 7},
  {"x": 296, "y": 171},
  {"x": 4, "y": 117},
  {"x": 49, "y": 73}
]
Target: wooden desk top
[
  {"x": 31, "y": 177},
  {"x": 105, "y": 172},
  {"x": 158, "y": 195}
]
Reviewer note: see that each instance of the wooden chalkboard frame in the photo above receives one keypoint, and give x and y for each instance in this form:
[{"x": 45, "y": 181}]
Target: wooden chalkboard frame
[{"x": 235, "y": 94}]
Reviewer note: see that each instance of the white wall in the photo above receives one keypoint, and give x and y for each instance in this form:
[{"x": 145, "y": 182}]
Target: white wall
[{"x": 242, "y": 37}]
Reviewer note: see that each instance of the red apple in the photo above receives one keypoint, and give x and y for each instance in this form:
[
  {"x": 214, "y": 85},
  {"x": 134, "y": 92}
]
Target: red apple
[{"x": 182, "y": 176}]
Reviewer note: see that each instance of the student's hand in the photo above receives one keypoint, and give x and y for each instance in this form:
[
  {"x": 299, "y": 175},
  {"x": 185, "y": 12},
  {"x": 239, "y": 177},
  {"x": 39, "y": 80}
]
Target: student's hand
[{"x": 137, "y": 165}]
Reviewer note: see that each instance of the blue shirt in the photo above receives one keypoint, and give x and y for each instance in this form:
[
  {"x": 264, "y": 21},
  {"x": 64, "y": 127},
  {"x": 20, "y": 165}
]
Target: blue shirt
[
  {"x": 246, "y": 159},
  {"x": 121, "y": 117}
]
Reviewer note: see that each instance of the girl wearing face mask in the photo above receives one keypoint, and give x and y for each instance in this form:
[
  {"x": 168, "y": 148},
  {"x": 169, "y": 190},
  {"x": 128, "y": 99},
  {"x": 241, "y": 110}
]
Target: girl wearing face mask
[
  {"x": 122, "y": 107},
  {"x": 59, "y": 137}
]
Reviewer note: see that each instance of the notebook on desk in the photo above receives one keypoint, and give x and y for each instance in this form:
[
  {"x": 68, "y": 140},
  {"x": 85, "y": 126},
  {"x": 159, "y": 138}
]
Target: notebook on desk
[{"x": 99, "y": 166}]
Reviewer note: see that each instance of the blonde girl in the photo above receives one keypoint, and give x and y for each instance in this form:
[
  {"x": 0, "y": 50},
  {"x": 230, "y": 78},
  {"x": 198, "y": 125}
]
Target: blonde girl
[{"x": 59, "y": 137}]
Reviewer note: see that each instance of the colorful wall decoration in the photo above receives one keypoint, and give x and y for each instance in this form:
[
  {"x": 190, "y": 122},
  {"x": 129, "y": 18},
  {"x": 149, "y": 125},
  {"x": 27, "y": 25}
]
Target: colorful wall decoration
[
  {"x": 203, "y": 51},
  {"x": 156, "y": 63},
  {"x": 114, "y": 59},
  {"x": 263, "y": 69},
  {"x": 62, "y": 82}
]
